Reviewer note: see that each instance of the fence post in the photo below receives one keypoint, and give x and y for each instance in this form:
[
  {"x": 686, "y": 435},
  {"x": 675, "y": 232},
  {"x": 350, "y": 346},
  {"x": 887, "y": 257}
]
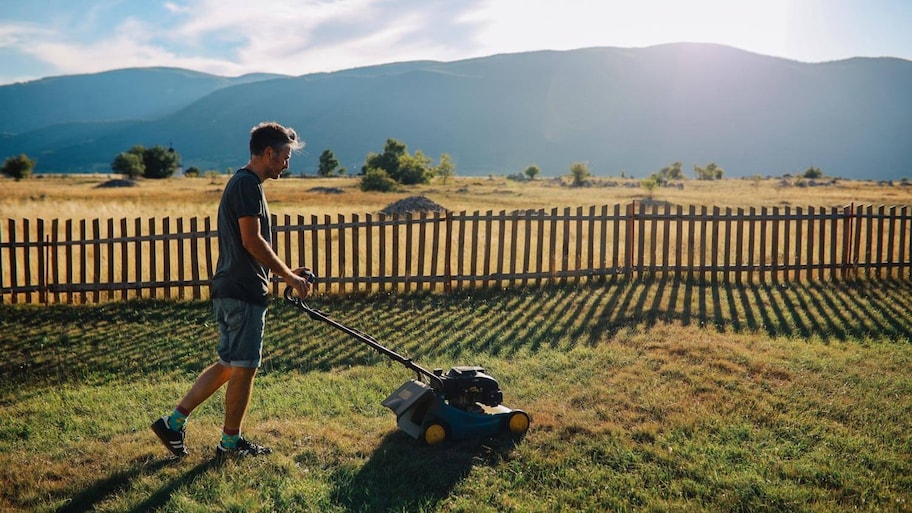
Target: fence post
[
  {"x": 630, "y": 239},
  {"x": 369, "y": 252},
  {"x": 341, "y": 260},
  {"x": 448, "y": 254},
  {"x": 486, "y": 268},
  {"x": 812, "y": 217},
  {"x": 42, "y": 264},
  {"x": 641, "y": 241},
  {"x": 96, "y": 257},
  {"x": 714, "y": 258},
  {"x": 409, "y": 224},
  {"x": 903, "y": 239},
  {"x": 774, "y": 253},
  {"x": 356, "y": 252}
]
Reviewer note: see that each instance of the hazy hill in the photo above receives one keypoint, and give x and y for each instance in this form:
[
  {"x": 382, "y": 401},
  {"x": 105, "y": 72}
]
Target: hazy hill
[
  {"x": 621, "y": 110},
  {"x": 127, "y": 94}
]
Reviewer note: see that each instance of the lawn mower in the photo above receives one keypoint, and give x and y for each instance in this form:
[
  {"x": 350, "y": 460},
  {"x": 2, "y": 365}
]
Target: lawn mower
[{"x": 434, "y": 407}]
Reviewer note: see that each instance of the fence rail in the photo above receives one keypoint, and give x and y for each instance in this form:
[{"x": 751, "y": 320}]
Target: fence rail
[{"x": 93, "y": 260}]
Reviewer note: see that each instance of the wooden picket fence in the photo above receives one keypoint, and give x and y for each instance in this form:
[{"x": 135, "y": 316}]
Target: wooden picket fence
[{"x": 90, "y": 261}]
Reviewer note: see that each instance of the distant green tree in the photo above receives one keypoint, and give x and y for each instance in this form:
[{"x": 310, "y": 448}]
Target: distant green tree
[
  {"x": 710, "y": 172},
  {"x": 813, "y": 172},
  {"x": 532, "y": 171},
  {"x": 18, "y": 167},
  {"x": 157, "y": 162},
  {"x": 666, "y": 174},
  {"x": 388, "y": 160},
  {"x": 445, "y": 169},
  {"x": 160, "y": 162},
  {"x": 378, "y": 180},
  {"x": 192, "y": 172},
  {"x": 399, "y": 165},
  {"x": 579, "y": 173},
  {"x": 328, "y": 164},
  {"x": 129, "y": 163},
  {"x": 414, "y": 169}
]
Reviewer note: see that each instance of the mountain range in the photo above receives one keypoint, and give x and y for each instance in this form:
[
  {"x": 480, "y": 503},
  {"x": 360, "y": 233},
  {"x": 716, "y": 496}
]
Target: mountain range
[{"x": 621, "y": 110}]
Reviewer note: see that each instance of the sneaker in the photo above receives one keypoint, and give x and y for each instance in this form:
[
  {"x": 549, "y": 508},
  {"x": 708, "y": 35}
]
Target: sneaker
[
  {"x": 244, "y": 448},
  {"x": 173, "y": 440}
]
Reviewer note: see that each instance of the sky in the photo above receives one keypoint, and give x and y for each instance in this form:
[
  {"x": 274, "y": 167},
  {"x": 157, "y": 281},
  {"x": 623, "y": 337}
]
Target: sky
[{"x": 45, "y": 38}]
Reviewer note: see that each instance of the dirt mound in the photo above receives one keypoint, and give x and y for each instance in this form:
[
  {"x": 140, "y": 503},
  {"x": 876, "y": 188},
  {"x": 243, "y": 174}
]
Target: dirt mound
[
  {"x": 116, "y": 183},
  {"x": 412, "y": 204},
  {"x": 326, "y": 190}
]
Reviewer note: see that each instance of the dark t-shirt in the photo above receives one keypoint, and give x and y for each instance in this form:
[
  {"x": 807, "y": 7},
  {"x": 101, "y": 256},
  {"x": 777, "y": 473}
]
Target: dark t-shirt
[{"x": 238, "y": 275}]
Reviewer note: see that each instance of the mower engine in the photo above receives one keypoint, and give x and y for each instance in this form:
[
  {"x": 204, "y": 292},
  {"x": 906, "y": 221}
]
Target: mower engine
[{"x": 466, "y": 387}]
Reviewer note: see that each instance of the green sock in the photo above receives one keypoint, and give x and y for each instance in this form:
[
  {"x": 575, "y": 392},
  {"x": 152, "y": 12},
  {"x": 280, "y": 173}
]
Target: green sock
[
  {"x": 230, "y": 439},
  {"x": 177, "y": 419}
]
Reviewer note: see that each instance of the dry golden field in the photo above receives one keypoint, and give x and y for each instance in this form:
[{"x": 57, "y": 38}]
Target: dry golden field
[{"x": 81, "y": 197}]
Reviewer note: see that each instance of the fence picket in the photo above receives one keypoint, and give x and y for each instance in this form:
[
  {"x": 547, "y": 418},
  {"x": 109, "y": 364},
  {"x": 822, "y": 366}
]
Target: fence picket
[
  {"x": 54, "y": 260},
  {"x": 486, "y": 269}
]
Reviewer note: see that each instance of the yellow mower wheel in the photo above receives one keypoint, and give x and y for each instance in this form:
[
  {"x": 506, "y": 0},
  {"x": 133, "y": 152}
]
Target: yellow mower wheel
[
  {"x": 518, "y": 423},
  {"x": 434, "y": 434}
]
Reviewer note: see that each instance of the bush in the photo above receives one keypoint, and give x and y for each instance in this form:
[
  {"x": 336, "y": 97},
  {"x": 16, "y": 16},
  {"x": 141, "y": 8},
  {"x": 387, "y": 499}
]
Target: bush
[
  {"x": 378, "y": 180},
  {"x": 18, "y": 167}
]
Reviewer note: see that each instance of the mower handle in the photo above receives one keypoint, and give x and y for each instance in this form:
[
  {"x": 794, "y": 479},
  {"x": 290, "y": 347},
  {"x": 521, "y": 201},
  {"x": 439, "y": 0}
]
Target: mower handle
[{"x": 433, "y": 379}]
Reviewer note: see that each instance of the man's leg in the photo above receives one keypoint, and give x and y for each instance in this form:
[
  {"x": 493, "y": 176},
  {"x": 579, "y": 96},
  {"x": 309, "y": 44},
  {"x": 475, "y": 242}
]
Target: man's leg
[
  {"x": 237, "y": 397},
  {"x": 210, "y": 380}
]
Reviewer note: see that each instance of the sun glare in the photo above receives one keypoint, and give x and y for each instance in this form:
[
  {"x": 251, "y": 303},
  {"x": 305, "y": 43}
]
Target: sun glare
[{"x": 515, "y": 24}]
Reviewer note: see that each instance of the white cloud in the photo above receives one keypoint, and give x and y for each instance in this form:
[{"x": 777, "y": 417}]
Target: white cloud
[
  {"x": 231, "y": 37},
  {"x": 15, "y": 36},
  {"x": 175, "y": 8}
]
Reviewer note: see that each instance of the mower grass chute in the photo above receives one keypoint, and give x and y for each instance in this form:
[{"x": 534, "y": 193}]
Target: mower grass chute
[{"x": 434, "y": 407}]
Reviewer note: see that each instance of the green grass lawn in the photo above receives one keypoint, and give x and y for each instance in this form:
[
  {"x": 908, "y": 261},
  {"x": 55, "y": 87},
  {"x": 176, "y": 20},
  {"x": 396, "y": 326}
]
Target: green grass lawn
[{"x": 656, "y": 396}]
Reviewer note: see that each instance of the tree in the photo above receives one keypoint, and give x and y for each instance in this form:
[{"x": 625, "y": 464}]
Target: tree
[
  {"x": 192, "y": 172},
  {"x": 579, "y": 172},
  {"x": 710, "y": 172},
  {"x": 813, "y": 172},
  {"x": 532, "y": 171},
  {"x": 160, "y": 162},
  {"x": 328, "y": 164},
  {"x": 378, "y": 180},
  {"x": 414, "y": 169},
  {"x": 156, "y": 162},
  {"x": 672, "y": 172},
  {"x": 129, "y": 163},
  {"x": 18, "y": 167},
  {"x": 388, "y": 160},
  {"x": 445, "y": 169},
  {"x": 399, "y": 165}
]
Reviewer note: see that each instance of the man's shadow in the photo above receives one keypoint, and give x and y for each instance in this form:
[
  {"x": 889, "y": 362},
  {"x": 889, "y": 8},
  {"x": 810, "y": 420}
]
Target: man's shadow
[{"x": 403, "y": 474}]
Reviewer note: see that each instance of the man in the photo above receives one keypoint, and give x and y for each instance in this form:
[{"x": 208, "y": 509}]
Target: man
[{"x": 240, "y": 294}]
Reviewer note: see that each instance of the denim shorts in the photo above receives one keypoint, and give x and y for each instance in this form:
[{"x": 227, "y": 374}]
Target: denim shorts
[{"x": 240, "y": 332}]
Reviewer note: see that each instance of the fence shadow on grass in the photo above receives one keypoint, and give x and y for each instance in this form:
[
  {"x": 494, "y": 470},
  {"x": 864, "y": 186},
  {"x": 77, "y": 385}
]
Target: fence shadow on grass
[
  {"x": 830, "y": 312},
  {"x": 60, "y": 344},
  {"x": 404, "y": 475}
]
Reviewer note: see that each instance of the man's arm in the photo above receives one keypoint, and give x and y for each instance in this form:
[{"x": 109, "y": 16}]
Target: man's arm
[{"x": 257, "y": 246}]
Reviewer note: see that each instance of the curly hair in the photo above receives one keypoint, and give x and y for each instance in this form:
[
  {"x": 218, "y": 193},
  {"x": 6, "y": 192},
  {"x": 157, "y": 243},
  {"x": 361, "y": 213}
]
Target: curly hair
[{"x": 273, "y": 135}]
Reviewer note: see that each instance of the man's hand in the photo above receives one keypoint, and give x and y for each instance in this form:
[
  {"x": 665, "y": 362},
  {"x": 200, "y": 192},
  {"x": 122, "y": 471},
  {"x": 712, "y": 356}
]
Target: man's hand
[{"x": 300, "y": 281}]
